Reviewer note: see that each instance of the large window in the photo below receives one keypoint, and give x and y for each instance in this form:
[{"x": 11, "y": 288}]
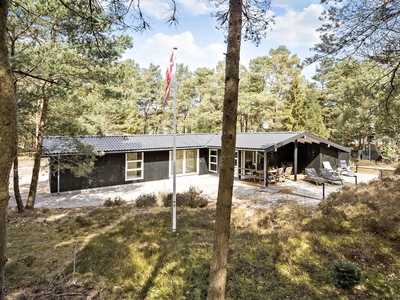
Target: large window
[
  {"x": 186, "y": 162},
  {"x": 134, "y": 166}
]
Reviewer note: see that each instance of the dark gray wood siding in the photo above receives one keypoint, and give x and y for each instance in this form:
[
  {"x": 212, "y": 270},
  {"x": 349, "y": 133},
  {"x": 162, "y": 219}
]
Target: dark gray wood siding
[
  {"x": 109, "y": 170},
  {"x": 156, "y": 165}
]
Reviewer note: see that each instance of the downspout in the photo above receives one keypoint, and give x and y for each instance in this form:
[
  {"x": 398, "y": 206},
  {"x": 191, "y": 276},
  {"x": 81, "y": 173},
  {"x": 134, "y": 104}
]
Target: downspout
[
  {"x": 58, "y": 176},
  {"x": 295, "y": 160},
  {"x": 265, "y": 169}
]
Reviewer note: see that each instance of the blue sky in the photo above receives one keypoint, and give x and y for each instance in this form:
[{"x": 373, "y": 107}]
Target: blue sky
[{"x": 200, "y": 44}]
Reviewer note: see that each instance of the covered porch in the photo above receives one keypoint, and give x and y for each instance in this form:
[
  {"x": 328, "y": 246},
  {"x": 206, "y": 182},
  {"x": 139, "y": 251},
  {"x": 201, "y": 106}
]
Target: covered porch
[{"x": 273, "y": 153}]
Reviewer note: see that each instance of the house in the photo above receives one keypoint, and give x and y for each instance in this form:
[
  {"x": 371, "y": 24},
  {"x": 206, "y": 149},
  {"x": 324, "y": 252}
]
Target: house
[{"x": 138, "y": 158}]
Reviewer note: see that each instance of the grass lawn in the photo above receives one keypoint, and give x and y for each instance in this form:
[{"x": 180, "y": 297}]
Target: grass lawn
[{"x": 283, "y": 252}]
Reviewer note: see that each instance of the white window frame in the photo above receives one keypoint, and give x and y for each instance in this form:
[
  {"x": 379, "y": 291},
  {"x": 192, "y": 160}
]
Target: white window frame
[
  {"x": 213, "y": 165},
  {"x": 171, "y": 158},
  {"x": 236, "y": 173},
  {"x": 141, "y": 161}
]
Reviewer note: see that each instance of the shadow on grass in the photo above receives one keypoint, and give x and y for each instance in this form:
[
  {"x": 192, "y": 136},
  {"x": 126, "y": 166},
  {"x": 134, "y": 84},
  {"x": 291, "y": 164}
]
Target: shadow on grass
[
  {"x": 141, "y": 259},
  {"x": 283, "y": 252}
]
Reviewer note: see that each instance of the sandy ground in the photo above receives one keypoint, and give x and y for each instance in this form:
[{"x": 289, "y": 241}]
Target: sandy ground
[{"x": 250, "y": 194}]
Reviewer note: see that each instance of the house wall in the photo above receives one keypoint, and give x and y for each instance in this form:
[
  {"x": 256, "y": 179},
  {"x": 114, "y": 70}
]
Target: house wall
[
  {"x": 331, "y": 154},
  {"x": 308, "y": 156},
  {"x": 109, "y": 170},
  {"x": 156, "y": 165}
]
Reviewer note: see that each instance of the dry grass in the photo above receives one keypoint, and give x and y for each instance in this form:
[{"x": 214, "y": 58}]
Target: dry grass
[{"x": 284, "y": 252}]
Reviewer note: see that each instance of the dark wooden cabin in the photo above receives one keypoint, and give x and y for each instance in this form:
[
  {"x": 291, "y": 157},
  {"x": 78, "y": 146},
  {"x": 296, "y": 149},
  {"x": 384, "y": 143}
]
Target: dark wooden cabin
[{"x": 128, "y": 159}]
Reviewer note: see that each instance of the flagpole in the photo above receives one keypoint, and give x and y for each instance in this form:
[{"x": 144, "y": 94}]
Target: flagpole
[{"x": 174, "y": 151}]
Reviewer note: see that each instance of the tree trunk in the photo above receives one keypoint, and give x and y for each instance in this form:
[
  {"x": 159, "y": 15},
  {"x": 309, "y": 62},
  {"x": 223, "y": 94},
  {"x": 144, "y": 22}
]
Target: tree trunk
[
  {"x": 8, "y": 136},
  {"x": 17, "y": 194},
  {"x": 226, "y": 172},
  {"x": 30, "y": 203}
]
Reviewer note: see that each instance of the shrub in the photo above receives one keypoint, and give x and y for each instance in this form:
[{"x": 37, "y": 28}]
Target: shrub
[
  {"x": 116, "y": 202},
  {"x": 146, "y": 200},
  {"x": 82, "y": 221},
  {"x": 397, "y": 170},
  {"x": 191, "y": 198},
  {"x": 345, "y": 274}
]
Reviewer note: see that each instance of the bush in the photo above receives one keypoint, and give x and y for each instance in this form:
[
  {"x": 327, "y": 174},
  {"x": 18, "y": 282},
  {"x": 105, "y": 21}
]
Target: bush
[
  {"x": 191, "y": 198},
  {"x": 82, "y": 221},
  {"x": 116, "y": 202},
  {"x": 146, "y": 200},
  {"x": 345, "y": 274},
  {"x": 397, "y": 170}
]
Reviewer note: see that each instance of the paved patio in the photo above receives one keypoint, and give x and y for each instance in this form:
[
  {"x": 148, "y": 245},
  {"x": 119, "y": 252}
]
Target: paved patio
[{"x": 246, "y": 193}]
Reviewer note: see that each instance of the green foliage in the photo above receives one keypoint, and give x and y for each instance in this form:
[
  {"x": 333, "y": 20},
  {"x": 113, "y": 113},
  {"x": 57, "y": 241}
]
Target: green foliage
[
  {"x": 147, "y": 95},
  {"x": 389, "y": 152},
  {"x": 206, "y": 116},
  {"x": 59, "y": 61},
  {"x": 294, "y": 116},
  {"x": 345, "y": 274},
  {"x": 80, "y": 165}
]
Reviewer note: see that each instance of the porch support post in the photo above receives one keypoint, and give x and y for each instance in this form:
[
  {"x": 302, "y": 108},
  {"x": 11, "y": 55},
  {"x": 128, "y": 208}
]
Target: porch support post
[
  {"x": 265, "y": 169},
  {"x": 295, "y": 160},
  {"x": 58, "y": 175}
]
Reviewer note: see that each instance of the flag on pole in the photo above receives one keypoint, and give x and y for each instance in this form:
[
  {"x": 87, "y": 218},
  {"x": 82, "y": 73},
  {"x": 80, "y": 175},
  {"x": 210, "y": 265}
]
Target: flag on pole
[{"x": 168, "y": 75}]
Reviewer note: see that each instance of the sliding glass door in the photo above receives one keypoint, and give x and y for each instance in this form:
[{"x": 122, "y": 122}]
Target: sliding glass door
[{"x": 186, "y": 162}]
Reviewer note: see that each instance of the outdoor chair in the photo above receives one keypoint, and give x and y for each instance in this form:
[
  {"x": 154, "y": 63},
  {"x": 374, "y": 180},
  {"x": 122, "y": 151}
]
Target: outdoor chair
[
  {"x": 327, "y": 165},
  {"x": 312, "y": 175},
  {"x": 287, "y": 173},
  {"x": 328, "y": 176},
  {"x": 278, "y": 176},
  {"x": 250, "y": 172},
  {"x": 345, "y": 169}
]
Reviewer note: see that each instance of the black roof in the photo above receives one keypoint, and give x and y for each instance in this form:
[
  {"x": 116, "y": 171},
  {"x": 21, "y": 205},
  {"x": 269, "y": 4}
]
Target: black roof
[{"x": 261, "y": 141}]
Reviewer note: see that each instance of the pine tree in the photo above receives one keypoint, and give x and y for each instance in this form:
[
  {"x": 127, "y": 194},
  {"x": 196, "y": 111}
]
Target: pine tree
[{"x": 293, "y": 118}]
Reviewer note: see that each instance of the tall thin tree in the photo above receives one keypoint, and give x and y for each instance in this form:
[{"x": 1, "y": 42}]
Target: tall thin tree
[
  {"x": 8, "y": 135},
  {"x": 252, "y": 18}
]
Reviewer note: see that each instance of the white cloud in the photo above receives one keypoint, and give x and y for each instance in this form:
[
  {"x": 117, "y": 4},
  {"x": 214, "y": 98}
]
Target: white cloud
[
  {"x": 297, "y": 28},
  {"x": 161, "y": 9},
  {"x": 158, "y": 48},
  {"x": 200, "y": 45},
  {"x": 196, "y": 7},
  {"x": 155, "y": 8}
]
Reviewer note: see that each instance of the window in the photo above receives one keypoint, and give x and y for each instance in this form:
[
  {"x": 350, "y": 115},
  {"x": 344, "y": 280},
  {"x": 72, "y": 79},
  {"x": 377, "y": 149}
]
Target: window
[
  {"x": 213, "y": 160},
  {"x": 134, "y": 166},
  {"x": 186, "y": 161}
]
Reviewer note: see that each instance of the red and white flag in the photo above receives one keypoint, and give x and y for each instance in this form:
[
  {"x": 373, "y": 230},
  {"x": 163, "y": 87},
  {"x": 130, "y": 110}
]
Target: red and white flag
[{"x": 168, "y": 75}]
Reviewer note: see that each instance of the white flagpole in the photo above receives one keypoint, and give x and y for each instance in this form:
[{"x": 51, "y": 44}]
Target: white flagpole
[{"x": 174, "y": 151}]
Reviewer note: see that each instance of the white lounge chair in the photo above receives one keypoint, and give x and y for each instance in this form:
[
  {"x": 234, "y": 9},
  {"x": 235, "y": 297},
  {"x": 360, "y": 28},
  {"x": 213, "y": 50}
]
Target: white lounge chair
[
  {"x": 328, "y": 176},
  {"x": 327, "y": 165}
]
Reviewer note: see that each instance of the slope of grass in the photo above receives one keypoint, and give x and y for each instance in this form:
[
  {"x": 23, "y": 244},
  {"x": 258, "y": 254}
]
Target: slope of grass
[{"x": 283, "y": 252}]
